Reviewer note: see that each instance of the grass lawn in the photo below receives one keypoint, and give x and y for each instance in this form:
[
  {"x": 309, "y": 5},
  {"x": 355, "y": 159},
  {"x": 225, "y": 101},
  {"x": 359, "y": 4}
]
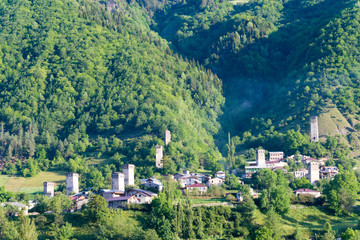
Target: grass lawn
[
  {"x": 204, "y": 171},
  {"x": 31, "y": 185},
  {"x": 310, "y": 219},
  {"x": 203, "y": 200}
]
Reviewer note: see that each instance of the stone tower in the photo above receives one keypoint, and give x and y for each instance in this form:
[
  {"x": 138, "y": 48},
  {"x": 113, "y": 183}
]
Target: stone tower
[
  {"x": 49, "y": 189},
  {"x": 159, "y": 156},
  {"x": 167, "y": 137},
  {"x": 72, "y": 183},
  {"x": 314, "y": 129},
  {"x": 260, "y": 158},
  {"x": 314, "y": 172},
  {"x": 118, "y": 181},
  {"x": 129, "y": 172}
]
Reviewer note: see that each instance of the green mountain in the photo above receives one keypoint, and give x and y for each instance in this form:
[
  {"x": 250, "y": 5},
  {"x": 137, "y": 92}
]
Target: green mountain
[
  {"x": 280, "y": 61},
  {"x": 100, "y": 82},
  {"x": 82, "y": 78}
]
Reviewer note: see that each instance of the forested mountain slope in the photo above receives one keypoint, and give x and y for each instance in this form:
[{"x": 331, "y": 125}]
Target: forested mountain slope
[
  {"x": 79, "y": 77},
  {"x": 281, "y": 61}
]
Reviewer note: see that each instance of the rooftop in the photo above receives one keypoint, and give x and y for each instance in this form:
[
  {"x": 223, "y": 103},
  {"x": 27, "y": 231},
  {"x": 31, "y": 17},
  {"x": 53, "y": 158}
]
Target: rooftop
[
  {"x": 113, "y": 199},
  {"x": 196, "y": 185},
  {"x": 147, "y": 193},
  {"x": 305, "y": 190}
]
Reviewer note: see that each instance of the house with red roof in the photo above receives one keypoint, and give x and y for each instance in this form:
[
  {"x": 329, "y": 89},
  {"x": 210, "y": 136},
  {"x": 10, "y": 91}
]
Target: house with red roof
[{"x": 305, "y": 191}]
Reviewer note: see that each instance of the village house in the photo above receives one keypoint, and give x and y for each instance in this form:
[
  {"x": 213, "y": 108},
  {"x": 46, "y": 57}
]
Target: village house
[
  {"x": 154, "y": 183},
  {"x": 204, "y": 178},
  {"x": 215, "y": 182},
  {"x": 305, "y": 191},
  {"x": 189, "y": 180},
  {"x": 328, "y": 172},
  {"x": 142, "y": 195},
  {"x": 112, "y": 193},
  {"x": 261, "y": 163},
  {"x": 301, "y": 173},
  {"x": 274, "y": 164},
  {"x": 19, "y": 207},
  {"x": 80, "y": 201},
  {"x": 122, "y": 202},
  {"x": 220, "y": 174},
  {"x": 201, "y": 188},
  {"x": 276, "y": 156}
]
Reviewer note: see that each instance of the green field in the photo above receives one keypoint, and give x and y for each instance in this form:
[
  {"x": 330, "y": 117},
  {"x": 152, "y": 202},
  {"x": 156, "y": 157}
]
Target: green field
[
  {"x": 311, "y": 219},
  {"x": 33, "y": 184},
  {"x": 204, "y": 200}
]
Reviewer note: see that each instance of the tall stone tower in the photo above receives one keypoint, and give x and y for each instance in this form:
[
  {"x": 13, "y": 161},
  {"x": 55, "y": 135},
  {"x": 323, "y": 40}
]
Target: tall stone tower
[
  {"x": 118, "y": 181},
  {"x": 129, "y": 172},
  {"x": 72, "y": 183},
  {"x": 167, "y": 137},
  {"x": 260, "y": 158},
  {"x": 49, "y": 189},
  {"x": 159, "y": 156},
  {"x": 314, "y": 172},
  {"x": 314, "y": 129}
]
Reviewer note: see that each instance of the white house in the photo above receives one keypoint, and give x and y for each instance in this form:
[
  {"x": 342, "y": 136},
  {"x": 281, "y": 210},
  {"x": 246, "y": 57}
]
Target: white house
[
  {"x": 305, "y": 191},
  {"x": 215, "y": 182},
  {"x": 142, "y": 195},
  {"x": 189, "y": 180},
  {"x": 200, "y": 187},
  {"x": 220, "y": 174}
]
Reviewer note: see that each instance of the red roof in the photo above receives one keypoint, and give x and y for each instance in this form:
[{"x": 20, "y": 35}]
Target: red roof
[
  {"x": 305, "y": 190},
  {"x": 196, "y": 185}
]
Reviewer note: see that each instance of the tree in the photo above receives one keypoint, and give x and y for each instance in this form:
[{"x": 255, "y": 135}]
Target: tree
[
  {"x": 277, "y": 197},
  {"x": 329, "y": 232},
  {"x": 272, "y": 221},
  {"x": 263, "y": 233},
  {"x": 97, "y": 209},
  {"x": 231, "y": 152},
  {"x": 349, "y": 234},
  {"x": 300, "y": 234},
  {"x": 26, "y": 228},
  {"x": 294, "y": 141},
  {"x": 65, "y": 232},
  {"x": 341, "y": 192},
  {"x": 303, "y": 182}
]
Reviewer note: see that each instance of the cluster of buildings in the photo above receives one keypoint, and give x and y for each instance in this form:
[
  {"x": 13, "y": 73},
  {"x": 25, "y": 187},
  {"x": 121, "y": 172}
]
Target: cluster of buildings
[
  {"x": 121, "y": 194},
  {"x": 275, "y": 161}
]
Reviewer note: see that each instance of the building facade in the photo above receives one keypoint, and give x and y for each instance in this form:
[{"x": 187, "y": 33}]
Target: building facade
[{"x": 72, "y": 183}]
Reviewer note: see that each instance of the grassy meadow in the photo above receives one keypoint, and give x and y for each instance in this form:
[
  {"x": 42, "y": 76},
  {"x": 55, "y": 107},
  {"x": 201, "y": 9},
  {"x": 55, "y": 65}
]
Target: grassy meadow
[{"x": 31, "y": 185}]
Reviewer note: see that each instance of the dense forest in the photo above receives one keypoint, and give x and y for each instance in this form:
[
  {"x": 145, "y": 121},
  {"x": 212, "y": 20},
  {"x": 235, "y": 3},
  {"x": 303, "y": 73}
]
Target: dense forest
[
  {"x": 84, "y": 80},
  {"x": 77, "y": 78},
  {"x": 280, "y": 62},
  {"x": 87, "y": 86}
]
